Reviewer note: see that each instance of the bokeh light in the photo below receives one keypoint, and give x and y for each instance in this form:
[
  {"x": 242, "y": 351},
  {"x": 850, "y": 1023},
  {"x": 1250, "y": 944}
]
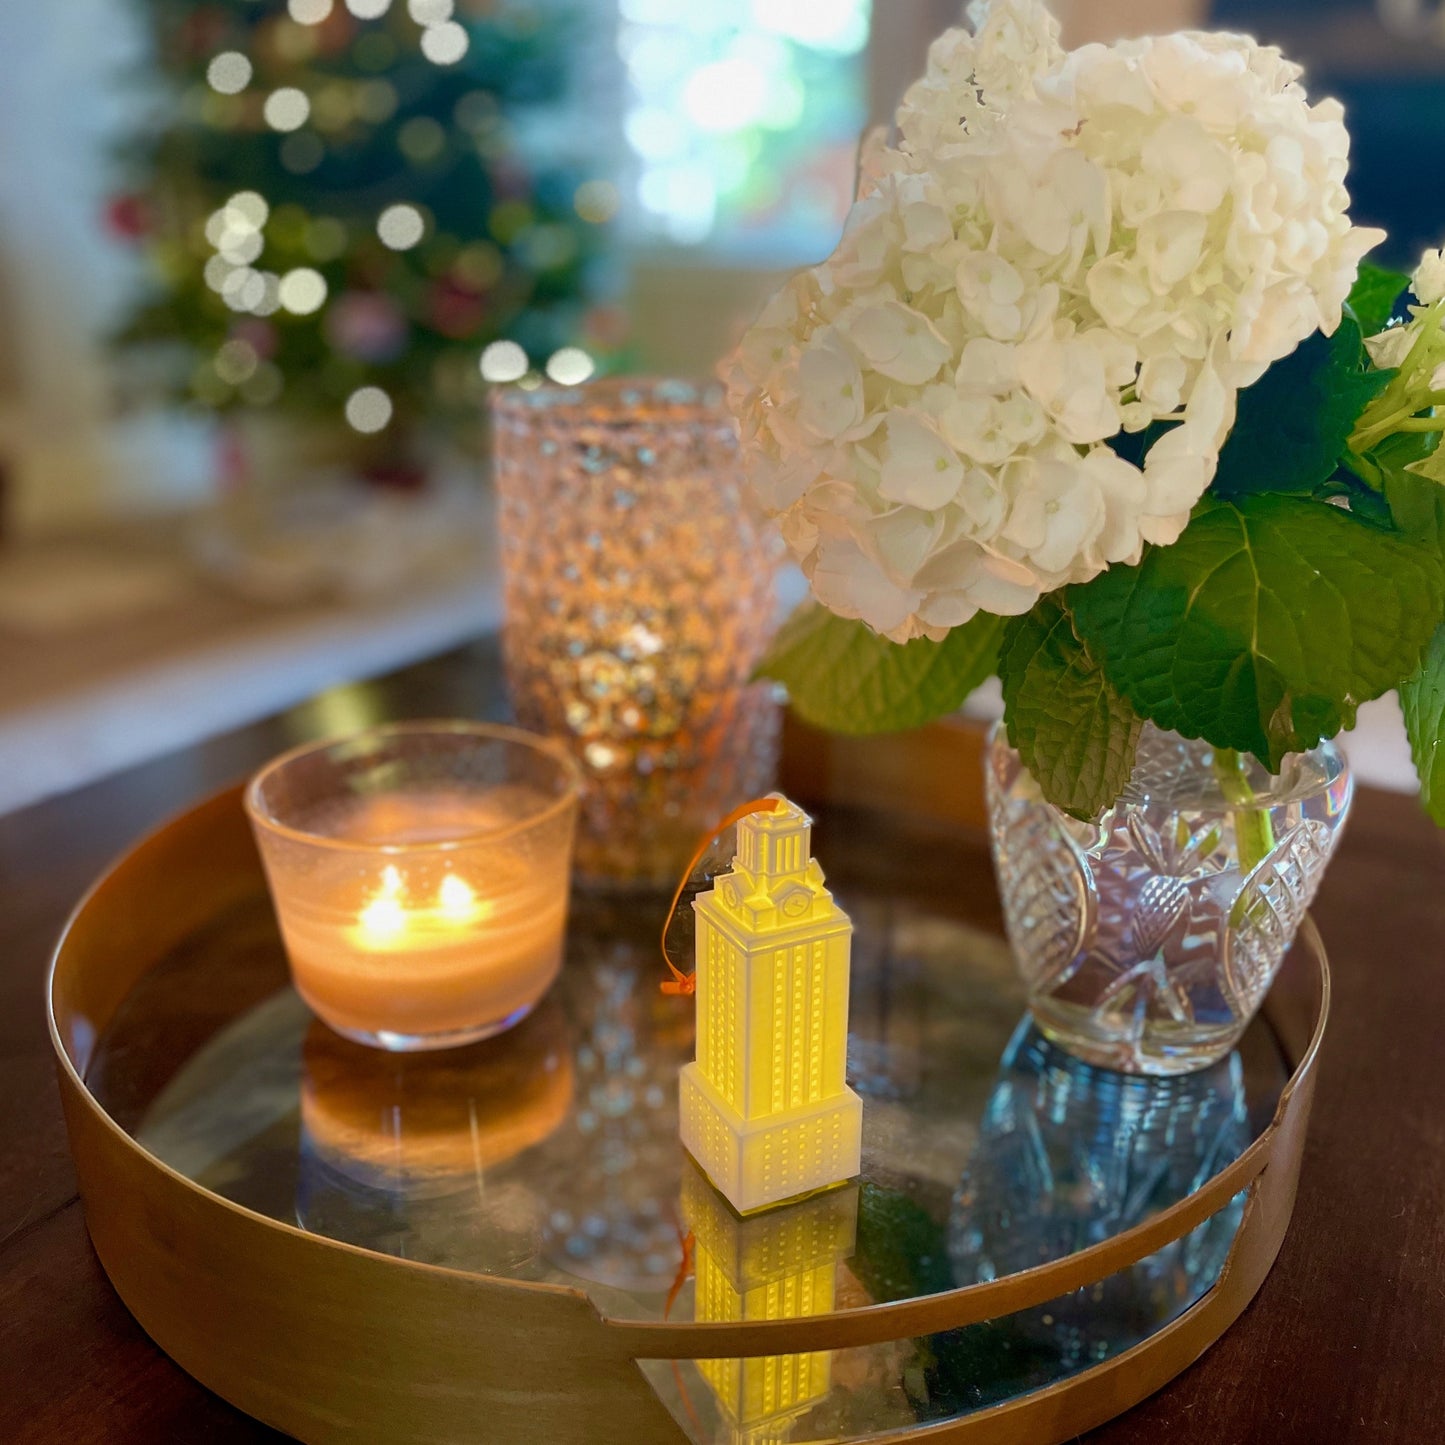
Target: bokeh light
[
  {"x": 596, "y": 201},
  {"x": 368, "y": 409},
  {"x": 444, "y": 44},
  {"x": 270, "y": 298},
  {"x": 324, "y": 238},
  {"x": 400, "y": 227},
  {"x": 479, "y": 266},
  {"x": 248, "y": 208},
  {"x": 728, "y": 95},
  {"x": 216, "y": 272},
  {"x": 743, "y": 118},
  {"x": 504, "y": 361},
  {"x": 375, "y": 101},
  {"x": 236, "y": 361},
  {"x": 840, "y": 26},
  {"x": 430, "y": 12},
  {"x": 368, "y": 9},
  {"x": 308, "y": 12},
  {"x": 242, "y": 246},
  {"x": 570, "y": 366},
  {"x": 302, "y": 291},
  {"x": 243, "y": 289},
  {"x": 421, "y": 139},
  {"x": 230, "y": 72},
  {"x": 286, "y": 109}
]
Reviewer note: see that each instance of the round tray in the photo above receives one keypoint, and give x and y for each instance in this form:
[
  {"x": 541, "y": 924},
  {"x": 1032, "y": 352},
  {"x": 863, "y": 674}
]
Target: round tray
[{"x": 508, "y": 1243}]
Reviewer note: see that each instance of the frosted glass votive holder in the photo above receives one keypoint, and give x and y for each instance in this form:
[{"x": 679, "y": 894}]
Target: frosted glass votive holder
[{"x": 420, "y": 875}]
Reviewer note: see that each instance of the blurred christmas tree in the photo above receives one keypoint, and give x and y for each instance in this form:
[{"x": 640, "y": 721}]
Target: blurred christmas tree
[{"x": 343, "y": 216}]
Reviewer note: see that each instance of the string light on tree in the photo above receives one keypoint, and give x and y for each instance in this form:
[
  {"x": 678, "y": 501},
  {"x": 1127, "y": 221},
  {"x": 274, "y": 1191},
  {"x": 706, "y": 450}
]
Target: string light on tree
[
  {"x": 243, "y": 289},
  {"x": 570, "y": 366},
  {"x": 286, "y": 109},
  {"x": 269, "y": 301},
  {"x": 430, "y": 282},
  {"x": 303, "y": 291},
  {"x": 444, "y": 44},
  {"x": 229, "y": 73},
  {"x": 400, "y": 227},
  {"x": 236, "y": 361},
  {"x": 504, "y": 361},
  {"x": 368, "y": 409}
]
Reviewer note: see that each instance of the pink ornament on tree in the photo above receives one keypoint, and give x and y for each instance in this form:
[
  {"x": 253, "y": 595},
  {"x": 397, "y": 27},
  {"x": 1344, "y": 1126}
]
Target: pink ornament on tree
[
  {"x": 128, "y": 216},
  {"x": 366, "y": 326}
]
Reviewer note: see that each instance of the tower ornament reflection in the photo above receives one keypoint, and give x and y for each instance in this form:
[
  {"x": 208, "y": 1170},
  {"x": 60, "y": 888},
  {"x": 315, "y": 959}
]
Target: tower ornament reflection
[
  {"x": 766, "y": 1109},
  {"x": 781, "y": 1265}
]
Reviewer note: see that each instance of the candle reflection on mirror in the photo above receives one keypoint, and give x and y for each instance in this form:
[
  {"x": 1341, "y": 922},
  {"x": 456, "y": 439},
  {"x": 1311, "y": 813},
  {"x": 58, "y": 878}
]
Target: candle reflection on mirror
[{"x": 408, "y": 1153}]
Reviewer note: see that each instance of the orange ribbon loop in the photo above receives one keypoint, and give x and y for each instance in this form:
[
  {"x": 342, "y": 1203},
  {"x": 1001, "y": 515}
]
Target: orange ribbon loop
[{"x": 686, "y": 983}]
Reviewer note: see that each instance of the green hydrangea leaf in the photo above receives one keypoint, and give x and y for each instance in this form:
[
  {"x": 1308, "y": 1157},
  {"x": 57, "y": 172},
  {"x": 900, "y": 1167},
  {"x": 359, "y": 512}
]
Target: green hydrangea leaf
[
  {"x": 842, "y": 676},
  {"x": 1411, "y": 466},
  {"x": 1373, "y": 296},
  {"x": 1075, "y": 734},
  {"x": 1266, "y": 624},
  {"x": 1422, "y": 697},
  {"x": 1292, "y": 424}
]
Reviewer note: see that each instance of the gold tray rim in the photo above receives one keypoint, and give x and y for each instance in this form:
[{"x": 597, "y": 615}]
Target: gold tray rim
[{"x": 158, "y": 1233}]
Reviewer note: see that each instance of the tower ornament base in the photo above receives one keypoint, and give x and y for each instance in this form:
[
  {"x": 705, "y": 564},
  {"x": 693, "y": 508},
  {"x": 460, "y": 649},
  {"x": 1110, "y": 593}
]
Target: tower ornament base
[{"x": 763, "y": 1162}]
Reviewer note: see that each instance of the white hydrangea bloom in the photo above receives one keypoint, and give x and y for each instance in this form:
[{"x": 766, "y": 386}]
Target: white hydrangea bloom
[
  {"x": 1428, "y": 282},
  {"x": 1060, "y": 246}
]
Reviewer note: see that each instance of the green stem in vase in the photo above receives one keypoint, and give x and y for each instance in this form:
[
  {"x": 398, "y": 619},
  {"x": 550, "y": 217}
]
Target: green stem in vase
[{"x": 1253, "y": 831}]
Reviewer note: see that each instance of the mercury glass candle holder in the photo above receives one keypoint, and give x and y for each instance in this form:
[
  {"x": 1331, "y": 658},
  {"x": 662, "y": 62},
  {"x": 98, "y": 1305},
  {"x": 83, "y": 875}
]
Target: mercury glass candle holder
[
  {"x": 420, "y": 875},
  {"x": 639, "y": 588}
]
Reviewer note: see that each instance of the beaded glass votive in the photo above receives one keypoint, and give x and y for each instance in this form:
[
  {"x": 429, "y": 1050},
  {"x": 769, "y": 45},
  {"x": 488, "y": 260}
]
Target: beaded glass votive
[
  {"x": 639, "y": 591},
  {"x": 420, "y": 876}
]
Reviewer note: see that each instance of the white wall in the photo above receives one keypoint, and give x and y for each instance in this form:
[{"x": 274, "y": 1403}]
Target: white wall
[{"x": 69, "y": 90}]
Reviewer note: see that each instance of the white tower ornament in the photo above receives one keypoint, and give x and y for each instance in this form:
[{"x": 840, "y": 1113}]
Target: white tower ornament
[{"x": 766, "y": 1109}]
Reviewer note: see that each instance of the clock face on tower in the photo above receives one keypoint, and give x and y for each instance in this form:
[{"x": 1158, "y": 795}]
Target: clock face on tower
[{"x": 795, "y": 903}]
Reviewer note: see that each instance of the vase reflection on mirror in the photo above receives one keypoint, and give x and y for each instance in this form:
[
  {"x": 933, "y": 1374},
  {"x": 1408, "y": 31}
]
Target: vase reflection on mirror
[
  {"x": 406, "y": 1153},
  {"x": 779, "y": 1264},
  {"x": 1069, "y": 1155}
]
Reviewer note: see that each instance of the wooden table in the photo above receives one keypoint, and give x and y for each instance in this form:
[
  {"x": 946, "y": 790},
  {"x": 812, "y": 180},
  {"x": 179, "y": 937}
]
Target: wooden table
[{"x": 1345, "y": 1342}]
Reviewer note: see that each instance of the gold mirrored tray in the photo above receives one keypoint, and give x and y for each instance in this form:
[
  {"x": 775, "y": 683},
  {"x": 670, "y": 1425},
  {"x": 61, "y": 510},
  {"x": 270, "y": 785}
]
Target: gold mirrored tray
[{"x": 508, "y": 1243}]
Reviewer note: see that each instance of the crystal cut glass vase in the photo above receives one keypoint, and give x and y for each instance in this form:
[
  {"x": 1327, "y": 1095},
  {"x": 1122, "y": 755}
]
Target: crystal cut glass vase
[{"x": 1149, "y": 937}]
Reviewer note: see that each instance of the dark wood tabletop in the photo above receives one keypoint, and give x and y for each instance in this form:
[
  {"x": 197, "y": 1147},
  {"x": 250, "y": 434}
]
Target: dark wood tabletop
[{"x": 1344, "y": 1343}]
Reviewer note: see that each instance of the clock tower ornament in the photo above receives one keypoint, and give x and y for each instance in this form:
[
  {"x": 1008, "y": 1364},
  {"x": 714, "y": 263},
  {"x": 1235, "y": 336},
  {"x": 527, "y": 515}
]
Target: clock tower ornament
[{"x": 766, "y": 1109}]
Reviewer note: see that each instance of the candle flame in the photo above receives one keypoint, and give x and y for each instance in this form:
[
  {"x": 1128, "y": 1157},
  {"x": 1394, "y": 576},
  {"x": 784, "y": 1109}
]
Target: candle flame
[
  {"x": 386, "y": 920},
  {"x": 383, "y": 918},
  {"x": 455, "y": 899}
]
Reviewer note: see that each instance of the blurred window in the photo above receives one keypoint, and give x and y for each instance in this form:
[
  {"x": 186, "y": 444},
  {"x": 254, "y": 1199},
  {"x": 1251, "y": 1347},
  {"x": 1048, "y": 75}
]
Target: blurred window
[{"x": 742, "y": 121}]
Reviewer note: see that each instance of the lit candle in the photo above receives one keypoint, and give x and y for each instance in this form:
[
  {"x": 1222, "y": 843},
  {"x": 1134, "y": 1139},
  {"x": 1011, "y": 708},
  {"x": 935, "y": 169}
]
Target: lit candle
[
  {"x": 429, "y": 912},
  {"x": 766, "y": 1109}
]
